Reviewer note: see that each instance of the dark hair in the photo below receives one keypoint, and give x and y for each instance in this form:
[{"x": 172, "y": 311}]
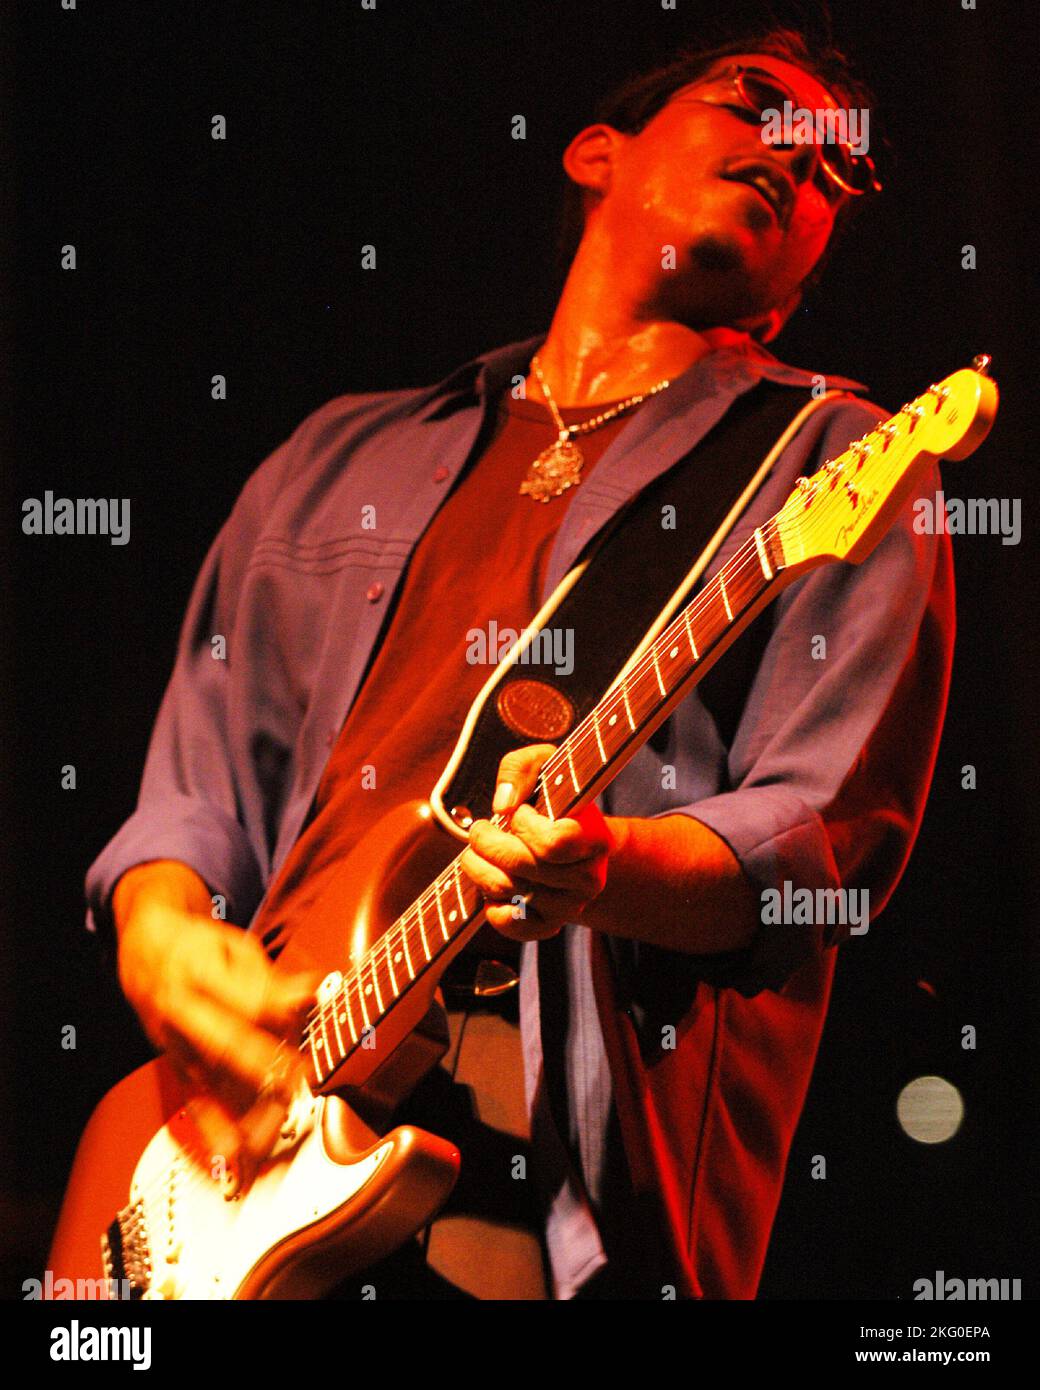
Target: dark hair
[{"x": 634, "y": 104}]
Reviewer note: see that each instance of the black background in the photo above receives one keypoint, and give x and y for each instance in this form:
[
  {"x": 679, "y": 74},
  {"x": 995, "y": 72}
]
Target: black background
[{"x": 242, "y": 257}]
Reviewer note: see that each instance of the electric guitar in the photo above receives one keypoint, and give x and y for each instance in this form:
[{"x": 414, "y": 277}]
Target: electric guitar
[{"x": 146, "y": 1216}]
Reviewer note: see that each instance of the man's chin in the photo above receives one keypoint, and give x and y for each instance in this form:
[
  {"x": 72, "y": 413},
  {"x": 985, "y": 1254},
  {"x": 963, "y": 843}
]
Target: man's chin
[
  {"x": 719, "y": 254},
  {"x": 718, "y": 286}
]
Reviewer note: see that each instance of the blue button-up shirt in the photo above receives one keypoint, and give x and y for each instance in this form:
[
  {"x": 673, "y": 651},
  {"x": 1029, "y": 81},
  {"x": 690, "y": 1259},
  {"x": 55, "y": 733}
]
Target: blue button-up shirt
[{"x": 299, "y": 589}]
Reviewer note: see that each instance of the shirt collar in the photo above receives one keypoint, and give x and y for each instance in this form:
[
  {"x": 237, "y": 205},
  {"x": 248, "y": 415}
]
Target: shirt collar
[{"x": 733, "y": 355}]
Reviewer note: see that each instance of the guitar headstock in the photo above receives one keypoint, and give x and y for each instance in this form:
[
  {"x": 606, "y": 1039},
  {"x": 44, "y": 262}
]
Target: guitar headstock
[{"x": 844, "y": 509}]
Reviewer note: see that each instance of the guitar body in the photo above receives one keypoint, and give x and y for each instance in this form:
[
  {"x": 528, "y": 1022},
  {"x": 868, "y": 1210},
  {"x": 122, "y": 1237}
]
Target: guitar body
[{"x": 337, "y": 1193}]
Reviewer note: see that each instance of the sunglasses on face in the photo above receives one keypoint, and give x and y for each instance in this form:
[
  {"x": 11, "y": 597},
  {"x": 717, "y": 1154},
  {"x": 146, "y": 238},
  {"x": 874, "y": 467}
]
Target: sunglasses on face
[{"x": 757, "y": 91}]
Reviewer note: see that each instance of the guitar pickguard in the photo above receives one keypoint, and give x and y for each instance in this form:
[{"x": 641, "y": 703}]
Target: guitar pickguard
[{"x": 191, "y": 1239}]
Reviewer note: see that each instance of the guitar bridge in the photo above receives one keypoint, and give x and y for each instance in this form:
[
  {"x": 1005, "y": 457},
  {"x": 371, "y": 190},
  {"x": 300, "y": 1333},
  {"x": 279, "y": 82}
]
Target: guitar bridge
[{"x": 125, "y": 1252}]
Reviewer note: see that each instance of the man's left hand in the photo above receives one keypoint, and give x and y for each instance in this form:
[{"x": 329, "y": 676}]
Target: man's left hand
[{"x": 535, "y": 873}]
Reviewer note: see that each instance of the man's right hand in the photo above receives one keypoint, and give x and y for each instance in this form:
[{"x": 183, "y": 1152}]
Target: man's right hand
[{"x": 208, "y": 995}]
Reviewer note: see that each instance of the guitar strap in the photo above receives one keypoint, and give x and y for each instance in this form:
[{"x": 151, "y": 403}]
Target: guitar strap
[{"x": 618, "y": 597}]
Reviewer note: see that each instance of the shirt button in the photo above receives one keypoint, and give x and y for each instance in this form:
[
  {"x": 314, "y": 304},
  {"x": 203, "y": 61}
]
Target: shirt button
[
  {"x": 374, "y": 592},
  {"x": 439, "y": 474}
]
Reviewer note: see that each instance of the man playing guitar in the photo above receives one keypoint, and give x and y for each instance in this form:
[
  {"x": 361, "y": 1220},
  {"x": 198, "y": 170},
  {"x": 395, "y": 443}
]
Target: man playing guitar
[{"x": 697, "y": 238}]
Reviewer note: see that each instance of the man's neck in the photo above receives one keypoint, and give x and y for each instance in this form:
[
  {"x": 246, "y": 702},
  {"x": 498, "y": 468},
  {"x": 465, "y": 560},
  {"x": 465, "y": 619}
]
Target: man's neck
[{"x": 602, "y": 345}]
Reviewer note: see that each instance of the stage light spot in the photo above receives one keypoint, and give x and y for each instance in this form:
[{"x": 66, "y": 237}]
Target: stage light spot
[{"x": 930, "y": 1109}]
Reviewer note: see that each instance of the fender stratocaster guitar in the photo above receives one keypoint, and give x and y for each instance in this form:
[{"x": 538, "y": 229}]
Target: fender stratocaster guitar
[{"x": 146, "y": 1216}]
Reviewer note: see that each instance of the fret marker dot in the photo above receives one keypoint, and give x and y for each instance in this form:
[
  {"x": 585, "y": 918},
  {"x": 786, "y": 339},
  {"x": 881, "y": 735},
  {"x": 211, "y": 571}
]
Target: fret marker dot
[
  {"x": 452, "y": 916},
  {"x": 397, "y": 958},
  {"x": 674, "y": 653},
  {"x": 612, "y": 719},
  {"x": 368, "y": 989},
  {"x": 559, "y": 778}
]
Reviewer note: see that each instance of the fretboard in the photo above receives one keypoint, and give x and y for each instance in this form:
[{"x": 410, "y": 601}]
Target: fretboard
[{"x": 591, "y": 756}]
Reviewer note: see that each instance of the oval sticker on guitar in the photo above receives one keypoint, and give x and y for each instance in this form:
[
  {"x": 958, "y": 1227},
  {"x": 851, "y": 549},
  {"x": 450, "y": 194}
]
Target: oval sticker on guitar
[{"x": 534, "y": 709}]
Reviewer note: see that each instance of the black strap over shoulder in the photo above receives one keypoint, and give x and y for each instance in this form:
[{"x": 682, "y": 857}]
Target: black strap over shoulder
[{"x": 634, "y": 569}]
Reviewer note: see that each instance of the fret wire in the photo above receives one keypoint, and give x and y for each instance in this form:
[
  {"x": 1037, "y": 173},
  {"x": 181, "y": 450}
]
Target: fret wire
[
  {"x": 325, "y": 1040},
  {"x": 314, "y": 1058},
  {"x": 407, "y": 953},
  {"x": 689, "y": 633},
  {"x": 570, "y": 760},
  {"x": 440, "y": 908},
  {"x": 463, "y": 909},
  {"x": 422, "y": 927},
  {"x": 339, "y": 1035},
  {"x": 763, "y": 559},
  {"x": 349, "y": 983},
  {"x": 361, "y": 996},
  {"x": 390, "y": 964},
  {"x": 613, "y": 698},
  {"x": 628, "y": 705},
  {"x": 641, "y": 692},
  {"x": 344, "y": 989},
  {"x": 720, "y": 581},
  {"x": 580, "y": 750},
  {"x": 373, "y": 970},
  {"x": 599, "y": 740},
  {"x": 657, "y": 671},
  {"x": 552, "y": 765}
]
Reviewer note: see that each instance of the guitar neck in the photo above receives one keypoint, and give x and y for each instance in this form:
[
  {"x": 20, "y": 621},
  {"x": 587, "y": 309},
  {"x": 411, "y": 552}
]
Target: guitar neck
[{"x": 440, "y": 921}]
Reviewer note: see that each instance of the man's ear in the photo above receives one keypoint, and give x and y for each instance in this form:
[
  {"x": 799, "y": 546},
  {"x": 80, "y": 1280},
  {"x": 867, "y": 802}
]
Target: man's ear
[
  {"x": 589, "y": 159},
  {"x": 765, "y": 327}
]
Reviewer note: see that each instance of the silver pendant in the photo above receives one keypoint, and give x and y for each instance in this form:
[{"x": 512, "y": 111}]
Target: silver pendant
[{"x": 553, "y": 471}]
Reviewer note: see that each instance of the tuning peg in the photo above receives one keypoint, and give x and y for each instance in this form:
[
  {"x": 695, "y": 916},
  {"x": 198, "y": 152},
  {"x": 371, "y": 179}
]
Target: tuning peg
[{"x": 981, "y": 363}]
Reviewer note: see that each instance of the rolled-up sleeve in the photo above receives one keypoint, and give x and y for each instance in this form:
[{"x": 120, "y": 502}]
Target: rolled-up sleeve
[
  {"x": 833, "y": 756},
  {"x": 188, "y": 807}
]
